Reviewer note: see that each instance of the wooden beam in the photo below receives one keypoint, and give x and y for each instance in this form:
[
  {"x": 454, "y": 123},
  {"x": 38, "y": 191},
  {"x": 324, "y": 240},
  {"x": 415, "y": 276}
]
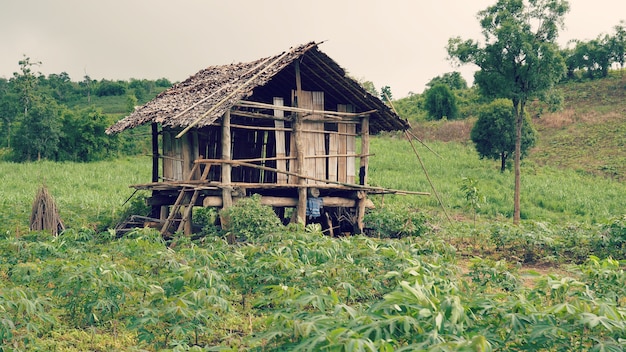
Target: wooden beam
[
  {"x": 365, "y": 149},
  {"x": 290, "y": 202},
  {"x": 298, "y": 136},
  {"x": 155, "y": 152},
  {"x": 305, "y": 112},
  {"x": 304, "y": 186},
  {"x": 279, "y": 137},
  {"x": 227, "y": 200}
]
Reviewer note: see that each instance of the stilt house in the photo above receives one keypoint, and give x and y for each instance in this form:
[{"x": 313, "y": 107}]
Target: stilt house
[{"x": 292, "y": 128}]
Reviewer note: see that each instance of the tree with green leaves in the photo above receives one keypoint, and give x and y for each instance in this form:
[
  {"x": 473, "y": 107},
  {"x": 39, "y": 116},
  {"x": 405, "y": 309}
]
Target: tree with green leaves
[
  {"x": 518, "y": 59},
  {"x": 453, "y": 80},
  {"x": 493, "y": 133},
  {"x": 618, "y": 44},
  {"x": 440, "y": 102},
  {"x": 9, "y": 110},
  {"x": 39, "y": 133},
  {"x": 385, "y": 94},
  {"x": 39, "y": 128},
  {"x": 83, "y": 138}
]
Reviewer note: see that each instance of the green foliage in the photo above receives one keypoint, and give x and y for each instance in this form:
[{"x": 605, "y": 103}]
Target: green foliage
[
  {"x": 207, "y": 219},
  {"x": 440, "y": 103},
  {"x": 57, "y": 119},
  {"x": 452, "y": 80},
  {"x": 83, "y": 138},
  {"x": 110, "y": 88},
  {"x": 411, "y": 107},
  {"x": 248, "y": 218},
  {"x": 385, "y": 94},
  {"x": 39, "y": 132},
  {"x": 395, "y": 222},
  {"x": 473, "y": 196},
  {"x": 594, "y": 58},
  {"x": 491, "y": 274},
  {"x": 614, "y": 237},
  {"x": 494, "y": 132}
]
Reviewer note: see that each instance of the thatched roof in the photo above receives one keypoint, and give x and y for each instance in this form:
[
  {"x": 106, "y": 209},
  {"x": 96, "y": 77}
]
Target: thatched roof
[{"x": 217, "y": 88}]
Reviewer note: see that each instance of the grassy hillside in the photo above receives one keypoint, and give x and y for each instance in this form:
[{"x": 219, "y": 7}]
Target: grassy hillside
[{"x": 588, "y": 135}]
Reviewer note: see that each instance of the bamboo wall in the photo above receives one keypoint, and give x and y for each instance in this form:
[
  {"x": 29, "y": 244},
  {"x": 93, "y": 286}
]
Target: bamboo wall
[{"x": 329, "y": 147}]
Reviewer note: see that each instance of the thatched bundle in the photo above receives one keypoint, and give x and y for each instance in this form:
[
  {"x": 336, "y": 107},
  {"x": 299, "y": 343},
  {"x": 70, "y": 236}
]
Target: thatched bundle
[{"x": 45, "y": 215}]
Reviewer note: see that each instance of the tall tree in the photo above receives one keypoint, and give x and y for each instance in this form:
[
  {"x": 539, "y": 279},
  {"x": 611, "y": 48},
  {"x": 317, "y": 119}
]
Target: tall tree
[
  {"x": 494, "y": 132},
  {"x": 25, "y": 82},
  {"x": 39, "y": 134},
  {"x": 518, "y": 60},
  {"x": 9, "y": 110},
  {"x": 618, "y": 44},
  {"x": 440, "y": 102}
]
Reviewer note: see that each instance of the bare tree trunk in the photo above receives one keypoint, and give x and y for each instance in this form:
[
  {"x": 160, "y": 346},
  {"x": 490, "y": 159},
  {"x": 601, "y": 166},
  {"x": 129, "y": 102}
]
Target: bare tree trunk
[{"x": 519, "y": 120}]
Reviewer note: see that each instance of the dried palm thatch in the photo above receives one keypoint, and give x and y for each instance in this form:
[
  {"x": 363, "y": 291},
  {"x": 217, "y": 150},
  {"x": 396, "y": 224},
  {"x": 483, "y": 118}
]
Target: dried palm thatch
[{"x": 45, "y": 215}]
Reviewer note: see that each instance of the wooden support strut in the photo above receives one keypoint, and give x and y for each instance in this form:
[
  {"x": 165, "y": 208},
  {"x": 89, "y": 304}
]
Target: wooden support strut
[
  {"x": 297, "y": 134},
  {"x": 321, "y": 180},
  {"x": 186, "y": 220},
  {"x": 177, "y": 204}
]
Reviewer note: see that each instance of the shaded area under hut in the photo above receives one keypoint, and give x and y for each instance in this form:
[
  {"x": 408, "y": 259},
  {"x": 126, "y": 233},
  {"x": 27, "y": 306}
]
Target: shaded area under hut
[{"x": 293, "y": 128}]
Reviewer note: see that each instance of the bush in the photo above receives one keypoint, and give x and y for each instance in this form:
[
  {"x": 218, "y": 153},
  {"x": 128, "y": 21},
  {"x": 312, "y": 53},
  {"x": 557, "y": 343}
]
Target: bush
[
  {"x": 396, "y": 222},
  {"x": 249, "y": 219},
  {"x": 612, "y": 241},
  {"x": 206, "y": 218}
]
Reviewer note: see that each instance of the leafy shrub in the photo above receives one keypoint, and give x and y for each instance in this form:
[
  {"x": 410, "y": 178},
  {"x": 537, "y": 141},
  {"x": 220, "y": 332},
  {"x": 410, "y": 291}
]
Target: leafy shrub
[
  {"x": 395, "y": 222},
  {"x": 605, "y": 277},
  {"x": 526, "y": 245},
  {"x": 206, "y": 218},
  {"x": 137, "y": 205},
  {"x": 248, "y": 218},
  {"x": 491, "y": 273},
  {"x": 613, "y": 239}
]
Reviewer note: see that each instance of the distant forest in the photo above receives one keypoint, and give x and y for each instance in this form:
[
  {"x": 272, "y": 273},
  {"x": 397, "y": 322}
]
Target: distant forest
[{"x": 54, "y": 118}]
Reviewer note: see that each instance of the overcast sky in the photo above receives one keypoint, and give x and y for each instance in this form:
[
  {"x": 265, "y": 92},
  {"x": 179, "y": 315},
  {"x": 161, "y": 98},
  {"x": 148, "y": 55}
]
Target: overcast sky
[{"x": 399, "y": 43}]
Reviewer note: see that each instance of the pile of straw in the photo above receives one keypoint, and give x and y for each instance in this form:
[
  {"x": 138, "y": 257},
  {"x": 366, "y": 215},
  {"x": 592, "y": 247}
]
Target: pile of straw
[{"x": 45, "y": 215}]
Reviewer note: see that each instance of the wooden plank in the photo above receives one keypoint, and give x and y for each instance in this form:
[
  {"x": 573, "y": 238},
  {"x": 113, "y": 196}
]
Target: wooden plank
[
  {"x": 305, "y": 100},
  {"x": 300, "y": 214},
  {"x": 281, "y": 164},
  {"x": 350, "y": 149},
  {"x": 342, "y": 147},
  {"x": 318, "y": 138},
  {"x": 155, "y": 152},
  {"x": 167, "y": 156},
  {"x": 290, "y": 202},
  {"x": 365, "y": 149},
  {"x": 177, "y": 161},
  {"x": 226, "y": 155}
]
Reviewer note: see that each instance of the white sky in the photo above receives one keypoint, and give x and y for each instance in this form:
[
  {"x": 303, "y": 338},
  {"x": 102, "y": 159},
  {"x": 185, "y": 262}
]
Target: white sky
[{"x": 399, "y": 43}]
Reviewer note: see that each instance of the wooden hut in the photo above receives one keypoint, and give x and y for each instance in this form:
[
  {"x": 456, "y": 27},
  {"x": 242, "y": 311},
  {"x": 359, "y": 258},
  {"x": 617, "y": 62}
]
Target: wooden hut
[{"x": 293, "y": 128}]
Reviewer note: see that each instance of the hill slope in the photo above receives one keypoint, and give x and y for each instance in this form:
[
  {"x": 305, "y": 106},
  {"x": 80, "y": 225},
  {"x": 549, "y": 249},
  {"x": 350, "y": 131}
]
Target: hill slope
[{"x": 587, "y": 135}]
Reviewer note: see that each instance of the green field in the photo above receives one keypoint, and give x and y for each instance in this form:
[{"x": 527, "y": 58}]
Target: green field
[
  {"x": 431, "y": 276},
  {"x": 454, "y": 285}
]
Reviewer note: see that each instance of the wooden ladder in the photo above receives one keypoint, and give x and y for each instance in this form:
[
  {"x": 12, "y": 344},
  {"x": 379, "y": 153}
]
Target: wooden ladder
[{"x": 171, "y": 219}]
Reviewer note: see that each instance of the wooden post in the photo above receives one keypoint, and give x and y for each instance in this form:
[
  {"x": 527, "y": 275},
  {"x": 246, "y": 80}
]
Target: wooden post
[
  {"x": 365, "y": 150},
  {"x": 155, "y": 152},
  {"x": 227, "y": 199},
  {"x": 281, "y": 164},
  {"x": 360, "y": 211},
  {"x": 297, "y": 134}
]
